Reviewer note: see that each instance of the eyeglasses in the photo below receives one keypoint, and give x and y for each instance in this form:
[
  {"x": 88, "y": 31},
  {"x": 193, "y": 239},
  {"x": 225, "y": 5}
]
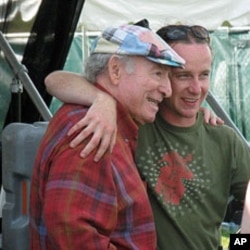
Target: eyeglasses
[{"x": 182, "y": 32}]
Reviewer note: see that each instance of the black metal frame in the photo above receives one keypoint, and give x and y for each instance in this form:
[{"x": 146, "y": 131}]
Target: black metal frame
[{"x": 46, "y": 51}]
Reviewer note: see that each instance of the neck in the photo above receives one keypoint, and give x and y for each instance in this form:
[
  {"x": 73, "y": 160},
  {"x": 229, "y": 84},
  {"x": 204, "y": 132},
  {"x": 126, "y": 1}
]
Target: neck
[{"x": 176, "y": 119}]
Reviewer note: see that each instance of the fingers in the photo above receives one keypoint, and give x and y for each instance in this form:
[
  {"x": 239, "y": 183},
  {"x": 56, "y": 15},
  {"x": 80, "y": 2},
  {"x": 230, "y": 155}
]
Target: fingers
[
  {"x": 206, "y": 114},
  {"x": 99, "y": 126},
  {"x": 91, "y": 145},
  {"x": 219, "y": 121},
  {"x": 82, "y": 136},
  {"x": 209, "y": 117},
  {"x": 103, "y": 148},
  {"x": 102, "y": 137},
  {"x": 214, "y": 121},
  {"x": 102, "y": 141},
  {"x": 113, "y": 140},
  {"x": 79, "y": 125}
]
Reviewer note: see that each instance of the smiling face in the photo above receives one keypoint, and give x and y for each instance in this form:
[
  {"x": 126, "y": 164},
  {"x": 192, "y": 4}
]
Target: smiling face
[
  {"x": 189, "y": 85},
  {"x": 141, "y": 90}
]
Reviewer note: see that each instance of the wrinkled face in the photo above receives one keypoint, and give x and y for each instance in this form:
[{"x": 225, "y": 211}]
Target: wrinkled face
[
  {"x": 144, "y": 88},
  {"x": 189, "y": 85}
]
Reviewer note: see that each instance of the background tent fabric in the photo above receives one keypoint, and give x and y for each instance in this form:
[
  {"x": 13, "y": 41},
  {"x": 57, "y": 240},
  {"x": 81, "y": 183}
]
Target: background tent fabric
[
  {"x": 98, "y": 14},
  {"x": 17, "y": 15},
  {"x": 51, "y": 33},
  {"x": 230, "y": 78}
]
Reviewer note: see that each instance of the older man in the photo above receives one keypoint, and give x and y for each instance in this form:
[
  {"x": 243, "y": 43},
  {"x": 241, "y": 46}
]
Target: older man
[{"x": 77, "y": 203}]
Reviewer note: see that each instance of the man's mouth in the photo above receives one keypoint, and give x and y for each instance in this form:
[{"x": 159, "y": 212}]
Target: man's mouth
[
  {"x": 153, "y": 101},
  {"x": 190, "y": 100}
]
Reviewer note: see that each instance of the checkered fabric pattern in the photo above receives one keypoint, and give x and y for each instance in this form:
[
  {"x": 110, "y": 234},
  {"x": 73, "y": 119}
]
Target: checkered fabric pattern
[{"x": 140, "y": 41}]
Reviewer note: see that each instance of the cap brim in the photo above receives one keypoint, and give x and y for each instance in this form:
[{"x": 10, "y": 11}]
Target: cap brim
[{"x": 165, "y": 62}]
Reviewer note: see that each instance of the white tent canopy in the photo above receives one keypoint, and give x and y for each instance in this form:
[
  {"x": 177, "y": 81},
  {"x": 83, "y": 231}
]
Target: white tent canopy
[{"x": 98, "y": 14}]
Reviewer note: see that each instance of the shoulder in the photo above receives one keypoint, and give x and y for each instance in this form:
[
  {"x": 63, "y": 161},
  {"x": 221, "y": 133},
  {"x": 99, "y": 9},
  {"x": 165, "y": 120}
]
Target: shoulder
[
  {"x": 224, "y": 130},
  {"x": 61, "y": 122},
  {"x": 70, "y": 111},
  {"x": 226, "y": 134},
  {"x": 67, "y": 115}
]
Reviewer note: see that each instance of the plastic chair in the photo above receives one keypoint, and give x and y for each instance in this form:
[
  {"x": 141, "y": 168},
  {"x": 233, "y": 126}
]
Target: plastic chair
[{"x": 20, "y": 142}]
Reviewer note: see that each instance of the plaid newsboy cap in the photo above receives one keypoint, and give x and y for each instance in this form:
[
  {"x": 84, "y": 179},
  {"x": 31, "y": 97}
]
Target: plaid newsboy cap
[{"x": 139, "y": 41}]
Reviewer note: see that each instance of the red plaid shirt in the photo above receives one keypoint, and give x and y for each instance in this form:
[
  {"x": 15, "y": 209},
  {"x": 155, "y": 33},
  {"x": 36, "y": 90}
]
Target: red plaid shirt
[{"x": 79, "y": 204}]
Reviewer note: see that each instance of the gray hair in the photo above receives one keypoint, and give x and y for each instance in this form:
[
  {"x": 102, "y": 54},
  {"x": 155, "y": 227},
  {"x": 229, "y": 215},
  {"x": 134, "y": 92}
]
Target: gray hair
[{"x": 97, "y": 64}]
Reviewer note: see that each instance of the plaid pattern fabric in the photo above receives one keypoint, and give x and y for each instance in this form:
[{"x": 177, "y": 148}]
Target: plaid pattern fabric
[
  {"x": 136, "y": 40},
  {"x": 79, "y": 204}
]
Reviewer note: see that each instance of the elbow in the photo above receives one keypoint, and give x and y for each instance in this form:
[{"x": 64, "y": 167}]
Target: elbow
[
  {"x": 51, "y": 82},
  {"x": 48, "y": 81}
]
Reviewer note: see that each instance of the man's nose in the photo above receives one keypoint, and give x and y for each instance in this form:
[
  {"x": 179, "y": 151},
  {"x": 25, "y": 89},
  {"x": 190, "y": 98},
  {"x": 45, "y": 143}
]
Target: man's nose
[
  {"x": 195, "y": 86},
  {"x": 165, "y": 88}
]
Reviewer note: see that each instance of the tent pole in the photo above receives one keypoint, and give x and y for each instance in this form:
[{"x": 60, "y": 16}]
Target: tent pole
[{"x": 21, "y": 73}]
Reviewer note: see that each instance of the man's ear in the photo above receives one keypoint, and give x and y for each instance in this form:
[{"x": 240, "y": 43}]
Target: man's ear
[{"x": 114, "y": 68}]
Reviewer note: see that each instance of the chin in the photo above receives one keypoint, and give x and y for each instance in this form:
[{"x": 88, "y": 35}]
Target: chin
[
  {"x": 145, "y": 119},
  {"x": 150, "y": 119},
  {"x": 189, "y": 113}
]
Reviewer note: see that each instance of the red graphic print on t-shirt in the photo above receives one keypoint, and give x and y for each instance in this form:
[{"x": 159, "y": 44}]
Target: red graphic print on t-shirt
[{"x": 170, "y": 181}]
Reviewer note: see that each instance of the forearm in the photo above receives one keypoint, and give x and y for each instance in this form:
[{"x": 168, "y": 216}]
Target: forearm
[
  {"x": 101, "y": 118},
  {"x": 70, "y": 87}
]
